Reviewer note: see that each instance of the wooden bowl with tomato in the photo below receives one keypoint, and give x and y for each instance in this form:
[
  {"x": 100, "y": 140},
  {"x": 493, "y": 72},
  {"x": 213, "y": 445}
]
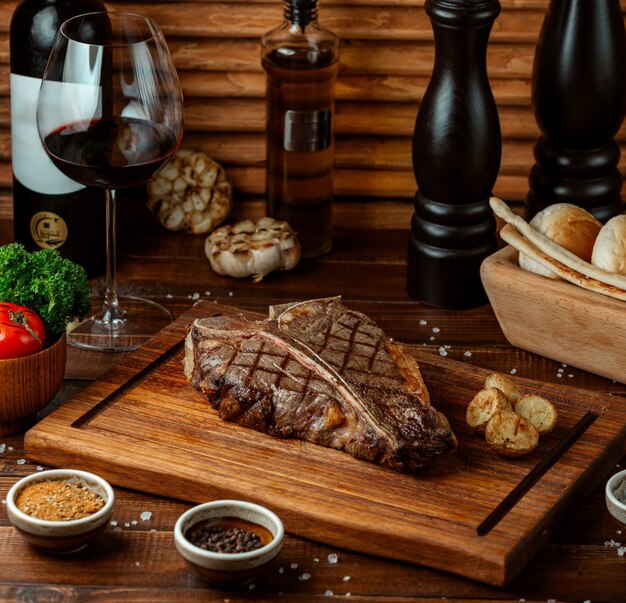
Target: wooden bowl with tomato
[{"x": 31, "y": 368}]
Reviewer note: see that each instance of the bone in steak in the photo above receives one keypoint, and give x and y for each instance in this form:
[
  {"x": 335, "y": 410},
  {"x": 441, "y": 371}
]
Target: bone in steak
[{"x": 318, "y": 371}]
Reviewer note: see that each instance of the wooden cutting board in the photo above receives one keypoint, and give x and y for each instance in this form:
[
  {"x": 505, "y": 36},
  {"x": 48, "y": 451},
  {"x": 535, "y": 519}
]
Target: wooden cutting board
[{"x": 142, "y": 426}]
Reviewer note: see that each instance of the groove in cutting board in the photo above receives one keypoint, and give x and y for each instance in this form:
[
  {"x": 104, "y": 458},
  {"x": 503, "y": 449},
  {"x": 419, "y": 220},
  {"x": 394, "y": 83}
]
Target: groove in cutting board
[
  {"x": 536, "y": 472},
  {"x": 130, "y": 385}
]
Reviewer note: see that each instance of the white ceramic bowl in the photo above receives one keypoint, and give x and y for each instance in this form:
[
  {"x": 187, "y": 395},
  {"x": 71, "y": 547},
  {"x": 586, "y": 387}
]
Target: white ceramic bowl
[
  {"x": 228, "y": 568},
  {"x": 61, "y": 536},
  {"x": 615, "y": 506}
]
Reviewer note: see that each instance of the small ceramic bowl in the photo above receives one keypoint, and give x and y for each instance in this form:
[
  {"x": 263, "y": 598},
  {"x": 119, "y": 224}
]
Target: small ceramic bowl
[
  {"x": 614, "y": 491},
  {"x": 28, "y": 384},
  {"x": 65, "y": 536},
  {"x": 229, "y": 569}
]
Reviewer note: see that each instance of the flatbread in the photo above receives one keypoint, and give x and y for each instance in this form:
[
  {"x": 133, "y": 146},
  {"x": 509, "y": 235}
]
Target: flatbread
[
  {"x": 513, "y": 238},
  {"x": 553, "y": 251}
]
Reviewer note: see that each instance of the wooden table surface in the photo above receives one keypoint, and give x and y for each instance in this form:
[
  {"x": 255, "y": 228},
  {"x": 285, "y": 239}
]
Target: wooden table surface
[{"x": 135, "y": 560}]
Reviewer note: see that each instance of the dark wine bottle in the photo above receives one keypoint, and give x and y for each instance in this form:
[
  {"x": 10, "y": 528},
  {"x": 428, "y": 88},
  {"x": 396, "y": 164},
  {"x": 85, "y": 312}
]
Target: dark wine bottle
[{"x": 49, "y": 209}]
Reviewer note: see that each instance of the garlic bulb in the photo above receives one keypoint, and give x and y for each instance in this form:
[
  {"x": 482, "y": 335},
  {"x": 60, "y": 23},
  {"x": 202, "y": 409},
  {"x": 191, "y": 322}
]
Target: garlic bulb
[
  {"x": 190, "y": 193},
  {"x": 252, "y": 248}
]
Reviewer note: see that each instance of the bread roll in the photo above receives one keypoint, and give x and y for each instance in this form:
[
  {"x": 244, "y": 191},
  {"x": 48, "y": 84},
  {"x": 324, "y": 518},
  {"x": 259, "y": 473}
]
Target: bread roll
[
  {"x": 609, "y": 251},
  {"x": 568, "y": 225}
]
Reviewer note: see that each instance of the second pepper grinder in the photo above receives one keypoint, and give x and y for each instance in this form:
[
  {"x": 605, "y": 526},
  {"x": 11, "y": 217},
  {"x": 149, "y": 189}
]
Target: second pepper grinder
[
  {"x": 456, "y": 158},
  {"x": 579, "y": 98}
]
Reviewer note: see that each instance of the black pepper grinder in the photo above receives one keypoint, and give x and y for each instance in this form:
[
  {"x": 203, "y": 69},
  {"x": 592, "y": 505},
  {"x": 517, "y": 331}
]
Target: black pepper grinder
[
  {"x": 579, "y": 98},
  {"x": 456, "y": 158}
]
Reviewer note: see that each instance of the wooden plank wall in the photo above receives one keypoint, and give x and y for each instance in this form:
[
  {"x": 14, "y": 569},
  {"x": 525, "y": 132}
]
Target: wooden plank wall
[{"x": 386, "y": 61}]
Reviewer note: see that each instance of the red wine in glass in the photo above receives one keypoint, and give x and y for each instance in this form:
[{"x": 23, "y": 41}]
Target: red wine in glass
[{"x": 110, "y": 152}]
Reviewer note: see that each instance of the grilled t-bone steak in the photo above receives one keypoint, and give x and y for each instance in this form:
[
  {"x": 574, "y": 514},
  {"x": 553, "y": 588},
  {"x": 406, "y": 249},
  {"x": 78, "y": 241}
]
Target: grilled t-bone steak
[{"x": 318, "y": 371}]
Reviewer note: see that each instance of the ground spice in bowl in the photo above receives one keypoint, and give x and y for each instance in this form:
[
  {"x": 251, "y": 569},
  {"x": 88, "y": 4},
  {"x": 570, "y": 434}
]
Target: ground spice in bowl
[{"x": 58, "y": 500}]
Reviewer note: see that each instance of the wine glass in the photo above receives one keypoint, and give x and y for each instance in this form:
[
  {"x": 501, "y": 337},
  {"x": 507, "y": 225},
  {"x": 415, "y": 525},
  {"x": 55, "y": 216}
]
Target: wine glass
[{"x": 110, "y": 114}]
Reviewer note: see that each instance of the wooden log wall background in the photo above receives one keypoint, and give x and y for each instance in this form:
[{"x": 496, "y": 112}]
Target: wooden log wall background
[{"x": 386, "y": 60}]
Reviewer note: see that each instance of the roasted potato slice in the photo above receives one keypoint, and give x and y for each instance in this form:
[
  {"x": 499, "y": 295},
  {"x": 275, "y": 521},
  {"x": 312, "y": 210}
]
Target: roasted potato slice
[
  {"x": 510, "y": 435},
  {"x": 484, "y": 405},
  {"x": 505, "y": 385},
  {"x": 538, "y": 410}
]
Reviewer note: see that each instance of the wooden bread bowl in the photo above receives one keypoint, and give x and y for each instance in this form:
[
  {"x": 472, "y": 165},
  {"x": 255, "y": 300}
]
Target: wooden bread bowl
[{"x": 555, "y": 318}]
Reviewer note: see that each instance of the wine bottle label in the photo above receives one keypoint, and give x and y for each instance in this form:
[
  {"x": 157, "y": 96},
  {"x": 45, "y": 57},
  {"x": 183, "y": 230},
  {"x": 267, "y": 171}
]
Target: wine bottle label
[
  {"x": 48, "y": 230},
  {"x": 307, "y": 131},
  {"x": 31, "y": 165}
]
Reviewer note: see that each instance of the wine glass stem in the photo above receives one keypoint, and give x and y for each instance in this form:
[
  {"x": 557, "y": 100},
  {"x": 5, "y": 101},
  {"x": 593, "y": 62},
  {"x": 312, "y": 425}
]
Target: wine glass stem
[{"x": 111, "y": 311}]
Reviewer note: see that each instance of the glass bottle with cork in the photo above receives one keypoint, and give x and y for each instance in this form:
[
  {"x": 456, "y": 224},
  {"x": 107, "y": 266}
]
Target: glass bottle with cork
[{"x": 301, "y": 61}]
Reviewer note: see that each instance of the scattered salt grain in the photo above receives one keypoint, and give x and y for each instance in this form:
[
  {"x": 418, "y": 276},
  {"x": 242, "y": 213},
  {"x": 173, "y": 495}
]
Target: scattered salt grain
[
  {"x": 513, "y": 371},
  {"x": 468, "y": 353},
  {"x": 4, "y": 501},
  {"x": 563, "y": 365},
  {"x": 294, "y": 566},
  {"x": 169, "y": 296},
  {"x": 146, "y": 516},
  {"x": 560, "y": 370},
  {"x": 195, "y": 296},
  {"x": 207, "y": 293},
  {"x": 618, "y": 531},
  {"x": 423, "y": 322},
  {"x": 137, "y": 563},
  {"x": 10, "y": 448},
  {"x": 281, "y": 570},
  {"x": 333, "y": 558},
  {"x": 127, "y": 525},
  {"x": 443, "y": 351},
  {"x": 329, "y": 593},
  {"x": 570, "y": 375},
  {"x": 621, "y": 550},
  {"x": 230, "y": 293},
  {"x": 436, "y": 329},
  {"x": 20, "y": 461},
  {"x": 3, "y": 447},
  {"x": 304, "y": 577},
  {"x": 432, "y": 338},
  {"x": 39, "y": 468},
  {"x": 153, "y": 530},
  {"x": 316, "y": 559},
  {"x": 113, "y": 522},
  {"x": 559, "y": 375},
  {"x": 348, "y": 595},
  {"x": 134, "y": 522},
  {"x": 252, "y": 586},
  {"x": 346, "y": 578}
]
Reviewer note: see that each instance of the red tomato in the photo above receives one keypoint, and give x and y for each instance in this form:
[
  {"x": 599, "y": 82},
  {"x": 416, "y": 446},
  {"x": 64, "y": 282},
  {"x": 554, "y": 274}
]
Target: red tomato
[{"x": 21, "y": 331}]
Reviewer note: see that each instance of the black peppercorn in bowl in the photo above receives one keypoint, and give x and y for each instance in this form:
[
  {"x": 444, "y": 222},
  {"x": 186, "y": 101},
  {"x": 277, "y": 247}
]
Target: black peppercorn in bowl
[
  {"x": 60, "y": 510},
  {"x": 228, "y": 542}
]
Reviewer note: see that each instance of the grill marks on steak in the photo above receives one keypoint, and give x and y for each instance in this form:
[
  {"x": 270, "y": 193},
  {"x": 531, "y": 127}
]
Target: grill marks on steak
[{"x": 321, "y": 372}]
